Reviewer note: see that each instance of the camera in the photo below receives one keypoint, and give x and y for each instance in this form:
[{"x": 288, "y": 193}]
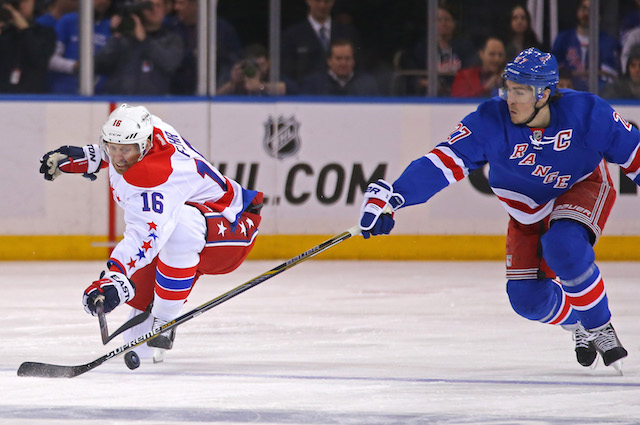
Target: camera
[
  {"x": 250, "y": 68},
  {"x": 5, "y": 15},
  {"x": 126, "y": 10}
]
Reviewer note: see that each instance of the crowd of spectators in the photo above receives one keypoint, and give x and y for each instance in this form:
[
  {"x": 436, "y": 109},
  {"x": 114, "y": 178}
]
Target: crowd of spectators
[{"x": 328, "y": 47}]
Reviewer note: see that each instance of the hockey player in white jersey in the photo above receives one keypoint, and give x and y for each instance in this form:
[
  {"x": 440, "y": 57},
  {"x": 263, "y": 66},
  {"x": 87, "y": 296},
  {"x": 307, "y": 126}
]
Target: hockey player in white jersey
[
  {"x": 183, "y": 217},
  {"x": 547, "y": 150}
]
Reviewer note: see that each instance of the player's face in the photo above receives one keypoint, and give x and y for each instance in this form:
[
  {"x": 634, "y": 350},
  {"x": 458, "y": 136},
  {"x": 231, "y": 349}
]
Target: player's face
[
  {"x": 122, "y": 157},
  {"x": 521, "y": 101}
]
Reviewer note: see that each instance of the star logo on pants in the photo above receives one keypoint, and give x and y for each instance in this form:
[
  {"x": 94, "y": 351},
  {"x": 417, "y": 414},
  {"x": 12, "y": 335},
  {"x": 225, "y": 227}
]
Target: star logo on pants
[{"x": 221, "y": 229}]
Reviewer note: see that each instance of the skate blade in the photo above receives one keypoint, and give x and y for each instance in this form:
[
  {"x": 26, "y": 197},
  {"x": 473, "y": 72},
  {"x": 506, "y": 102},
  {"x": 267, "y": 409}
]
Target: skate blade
[
  {"x": 617, "y": 365},
  {"x": 158, "y": 354}
]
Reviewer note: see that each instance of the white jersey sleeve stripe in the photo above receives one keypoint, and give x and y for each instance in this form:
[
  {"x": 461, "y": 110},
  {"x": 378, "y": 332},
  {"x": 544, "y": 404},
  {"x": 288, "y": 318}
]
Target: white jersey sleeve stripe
[
  {"x": 451, "y": 166},
  {"x": 632, "y": 166}
]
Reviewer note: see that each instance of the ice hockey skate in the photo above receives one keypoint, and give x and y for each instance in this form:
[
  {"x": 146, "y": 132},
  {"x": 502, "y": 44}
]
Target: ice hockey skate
[
  {"x": 586, "y": 352},
  {"x": 162, "y": 342},
  {"x": 603, "y": 341}
]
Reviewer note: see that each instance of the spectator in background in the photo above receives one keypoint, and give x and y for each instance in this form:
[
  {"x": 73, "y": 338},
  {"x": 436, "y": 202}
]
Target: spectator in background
[
  {"x": 55, "y": 10},
  {"x": 169, "y": 7},
  {"x": 485, "y": 79},
  {"x": 141, "y": 55},
  {"x": 305, "y": 44},
  {"x": 571, "y": 50},
  {"x": 228, "y": 47},
  {"x": 64, "y": 65},
  {"x": 520, "y": 34},
  {"x": 185, "y": 23},
  {"x": 628, "y": 22},
  {"x": 631, "y": 40},
  {"x": 25, "y": 49},
  {"x": 250, "y": 76},
  {"x": 565, "y": 78},
  {"x": 628, "y": 85},
  {"x": 454, "y": 53},
  {"x": 341, "y": 78}
]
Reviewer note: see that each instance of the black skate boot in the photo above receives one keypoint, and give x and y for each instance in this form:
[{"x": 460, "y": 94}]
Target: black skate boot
[
  {"x": 162, "y": 342},
  {"x": 585, "y": 349},
  {"x": 608, "y": 345}
]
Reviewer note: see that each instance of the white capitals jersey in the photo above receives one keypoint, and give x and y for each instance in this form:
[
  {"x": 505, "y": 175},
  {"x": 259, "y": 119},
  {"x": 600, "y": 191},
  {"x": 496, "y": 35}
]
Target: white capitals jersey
[{"x": 153, "y": 190}]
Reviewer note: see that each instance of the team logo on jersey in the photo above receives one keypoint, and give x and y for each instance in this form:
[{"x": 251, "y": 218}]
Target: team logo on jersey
[
  {"x": 281, "y": 138},
  {"x": 537, "y": 134}
]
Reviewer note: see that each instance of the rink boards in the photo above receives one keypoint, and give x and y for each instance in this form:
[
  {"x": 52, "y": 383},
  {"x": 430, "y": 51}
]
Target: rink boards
[{"x": 311, "y": 159}]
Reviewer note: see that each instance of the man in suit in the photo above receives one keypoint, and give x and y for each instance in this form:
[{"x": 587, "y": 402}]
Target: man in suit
[
  {"x": 306, "y": 43},
  {"x": 340, "y": 79}
]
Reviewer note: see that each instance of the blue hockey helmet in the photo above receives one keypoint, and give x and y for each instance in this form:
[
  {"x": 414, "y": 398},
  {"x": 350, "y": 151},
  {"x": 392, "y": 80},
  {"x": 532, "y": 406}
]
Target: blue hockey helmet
[{"x": 533, "y": 68}]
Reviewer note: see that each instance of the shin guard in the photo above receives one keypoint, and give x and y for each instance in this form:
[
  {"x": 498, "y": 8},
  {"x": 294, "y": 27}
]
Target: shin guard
[
  {"x": 540, "y": 300},
  {"x": 567, "y": 249},
  {"x": 172, "y": 288}
]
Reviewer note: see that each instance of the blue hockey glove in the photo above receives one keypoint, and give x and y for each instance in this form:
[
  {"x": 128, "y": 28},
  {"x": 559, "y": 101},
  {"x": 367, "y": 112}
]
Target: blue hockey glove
[
  {"x": 376, "y": 213},
  {"x": 71, "y": 159},
  {"x": 113, "y": 287}
]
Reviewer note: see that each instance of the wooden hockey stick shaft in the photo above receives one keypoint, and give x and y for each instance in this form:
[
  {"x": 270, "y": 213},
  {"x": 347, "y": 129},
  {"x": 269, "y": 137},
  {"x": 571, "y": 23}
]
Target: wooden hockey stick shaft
[{"x": 47, "y": 370}]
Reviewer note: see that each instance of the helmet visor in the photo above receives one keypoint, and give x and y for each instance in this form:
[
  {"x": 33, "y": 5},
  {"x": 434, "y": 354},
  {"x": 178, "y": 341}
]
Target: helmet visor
[{"x": 518, "y": 92}]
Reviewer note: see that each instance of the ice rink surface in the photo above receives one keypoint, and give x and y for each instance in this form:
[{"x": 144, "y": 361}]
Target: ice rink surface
[{"x": 325, "y": 342}]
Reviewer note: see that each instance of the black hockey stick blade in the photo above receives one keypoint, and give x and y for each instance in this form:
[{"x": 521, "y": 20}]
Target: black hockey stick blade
[{"x": 46, "y": 370}]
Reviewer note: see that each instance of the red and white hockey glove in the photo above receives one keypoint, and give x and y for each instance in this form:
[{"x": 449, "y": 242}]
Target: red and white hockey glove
[
  {"x": 113, "y": 287},
  {"x": 72, "y": 159},
  {"x": 376, "y": 213}
]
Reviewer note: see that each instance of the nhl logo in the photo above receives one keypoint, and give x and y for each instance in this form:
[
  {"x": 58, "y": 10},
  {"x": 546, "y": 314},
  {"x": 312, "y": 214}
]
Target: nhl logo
[
  {"x": 537, "y": 134},
  {"x": 281, "y": 138}
]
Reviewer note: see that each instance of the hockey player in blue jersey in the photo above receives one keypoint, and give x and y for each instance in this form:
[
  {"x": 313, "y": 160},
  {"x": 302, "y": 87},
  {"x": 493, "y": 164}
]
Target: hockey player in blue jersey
[{"x": 547, "y": 150}]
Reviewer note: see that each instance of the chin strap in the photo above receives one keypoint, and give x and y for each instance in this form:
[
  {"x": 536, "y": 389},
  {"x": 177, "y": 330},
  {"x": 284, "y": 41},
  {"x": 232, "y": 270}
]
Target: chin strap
[{"x": 536, "y": 110}]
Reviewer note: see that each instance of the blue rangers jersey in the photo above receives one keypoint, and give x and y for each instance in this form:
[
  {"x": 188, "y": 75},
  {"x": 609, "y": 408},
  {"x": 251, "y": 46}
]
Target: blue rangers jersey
[{"x": 529, "y": 167}]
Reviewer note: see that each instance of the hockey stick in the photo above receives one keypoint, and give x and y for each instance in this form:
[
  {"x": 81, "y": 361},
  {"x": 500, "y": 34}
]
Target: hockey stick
[
  {"x": 47, "y": 370},
  {"x": 102, "y": 321}
]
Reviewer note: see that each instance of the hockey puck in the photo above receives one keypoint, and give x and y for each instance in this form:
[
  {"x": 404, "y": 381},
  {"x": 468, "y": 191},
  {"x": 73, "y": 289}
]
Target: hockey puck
[{"x": 132, "y": 360}]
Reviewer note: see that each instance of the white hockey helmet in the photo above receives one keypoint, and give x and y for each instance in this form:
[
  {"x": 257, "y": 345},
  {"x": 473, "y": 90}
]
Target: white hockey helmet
[{"x": 129, "y": 125}]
